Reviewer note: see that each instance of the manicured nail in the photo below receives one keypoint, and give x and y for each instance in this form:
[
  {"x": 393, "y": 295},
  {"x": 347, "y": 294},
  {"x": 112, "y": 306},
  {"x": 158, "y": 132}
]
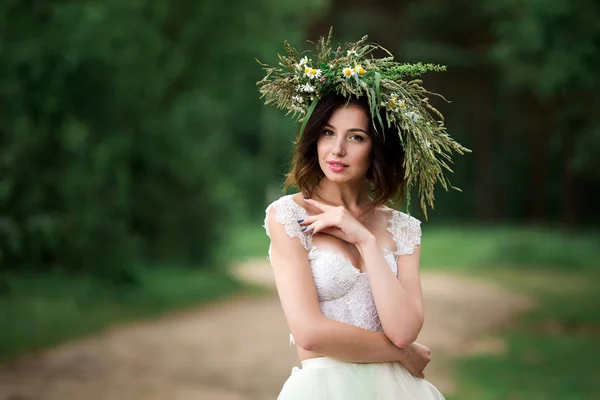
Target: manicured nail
[
  {"x": 300, "y": 220},
  {"x": 306, "y": 198},
  {"x": 303, "y": 229}
]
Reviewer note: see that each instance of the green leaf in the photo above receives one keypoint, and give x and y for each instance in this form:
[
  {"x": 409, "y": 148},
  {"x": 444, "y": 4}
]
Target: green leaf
[
  {"x": 307, "y": 116},
  {"x": 377, "y": 86}
]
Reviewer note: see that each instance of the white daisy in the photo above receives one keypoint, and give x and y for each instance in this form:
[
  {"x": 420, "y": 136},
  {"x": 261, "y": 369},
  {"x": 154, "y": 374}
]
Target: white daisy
[
  {"x": 302, "y": 62},
  {"x": 348, "y": 72},
  {"x": 308, "y": 88},
  {"x": 312, "y": 73}
]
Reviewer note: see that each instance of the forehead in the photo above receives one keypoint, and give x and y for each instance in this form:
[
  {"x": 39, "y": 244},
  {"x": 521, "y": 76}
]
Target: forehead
[{"x": 348, "y": 117}]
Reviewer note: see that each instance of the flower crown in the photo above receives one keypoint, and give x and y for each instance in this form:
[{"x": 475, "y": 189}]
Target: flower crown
[{"x": 298, "y": 82}]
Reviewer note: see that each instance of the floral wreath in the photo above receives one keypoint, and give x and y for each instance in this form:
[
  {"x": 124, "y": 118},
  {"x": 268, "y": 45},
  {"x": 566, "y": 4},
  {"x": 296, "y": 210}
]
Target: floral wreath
[{"x": 298, "y": 82}]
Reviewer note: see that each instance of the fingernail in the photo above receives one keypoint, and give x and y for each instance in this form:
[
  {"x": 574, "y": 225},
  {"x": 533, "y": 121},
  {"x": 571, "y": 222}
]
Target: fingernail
[
  {"x": 300, "y": 220},
  {"x": 311, "y": 231},
  {"x": 305, "y": 198},
  {"x": 303, "y": 229}
]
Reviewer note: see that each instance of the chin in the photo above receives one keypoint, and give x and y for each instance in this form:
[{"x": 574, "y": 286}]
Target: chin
[{"x": 339, "y": 178}]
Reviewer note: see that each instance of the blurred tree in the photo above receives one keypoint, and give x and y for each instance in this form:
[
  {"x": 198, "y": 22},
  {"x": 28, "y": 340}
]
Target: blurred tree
[
  {"x": 550, "y": 50},
  {"x": 127, "y": 129}
]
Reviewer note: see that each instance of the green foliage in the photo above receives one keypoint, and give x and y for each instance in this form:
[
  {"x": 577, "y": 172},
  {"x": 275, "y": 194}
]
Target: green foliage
[
  {"x": 551, "y": 50},
  {"x": 547, "y": 47},
  {"x": 396, "y": 72},
  {"x": 123, "y": 134},
  {"x": 491, "y": 248}
]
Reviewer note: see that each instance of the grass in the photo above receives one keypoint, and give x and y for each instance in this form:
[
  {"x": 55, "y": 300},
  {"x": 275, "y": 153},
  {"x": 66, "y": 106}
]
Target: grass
[
  {"x": 42, "y": 310},
  {"x": 479, "y": 248},
  {"x": 552, "y": 351}
]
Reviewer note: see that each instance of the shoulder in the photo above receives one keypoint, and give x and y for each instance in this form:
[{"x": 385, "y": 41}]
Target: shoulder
[
  {"x": 403, "y": 220},
  {"x": 284, "y": 207},
  {"x": 405, "y": 230},
  {"x": 283, "y": 215},
  {"x": 397, "y": 219}
]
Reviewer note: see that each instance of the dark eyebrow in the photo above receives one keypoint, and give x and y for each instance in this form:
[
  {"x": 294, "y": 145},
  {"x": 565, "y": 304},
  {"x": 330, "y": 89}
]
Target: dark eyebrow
[{"x": 350, "y": 130}]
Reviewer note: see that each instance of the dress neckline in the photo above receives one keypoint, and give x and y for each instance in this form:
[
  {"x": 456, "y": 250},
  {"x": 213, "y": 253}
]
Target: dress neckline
[{"x": 339, "y": 253}]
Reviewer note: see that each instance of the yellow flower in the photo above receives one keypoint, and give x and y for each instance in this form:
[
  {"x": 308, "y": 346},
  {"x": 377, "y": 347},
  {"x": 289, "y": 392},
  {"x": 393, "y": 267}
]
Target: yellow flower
[
  {"x": 359, "y": 69},
  {"x": 306, "y": 70},
  {"x": 348, "y": 72},
  {"x": 312, "y": 73}
]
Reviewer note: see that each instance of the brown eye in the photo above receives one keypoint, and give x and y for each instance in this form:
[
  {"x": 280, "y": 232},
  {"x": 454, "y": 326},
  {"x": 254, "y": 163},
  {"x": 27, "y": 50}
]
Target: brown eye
[{"x": 358, "y": 138}]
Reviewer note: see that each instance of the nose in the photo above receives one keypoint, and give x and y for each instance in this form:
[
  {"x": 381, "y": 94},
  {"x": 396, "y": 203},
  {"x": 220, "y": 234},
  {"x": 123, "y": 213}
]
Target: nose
[{"x": 339, "y": 149}]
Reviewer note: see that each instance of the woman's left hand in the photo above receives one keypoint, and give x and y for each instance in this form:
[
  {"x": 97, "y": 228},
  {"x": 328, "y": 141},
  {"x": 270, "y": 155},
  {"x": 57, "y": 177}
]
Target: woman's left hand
[{"x": 335, "y": 221}]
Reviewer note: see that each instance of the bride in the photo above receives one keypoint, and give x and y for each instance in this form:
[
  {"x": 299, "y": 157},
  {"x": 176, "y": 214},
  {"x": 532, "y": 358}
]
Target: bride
[{"x": 346, "y": 265}]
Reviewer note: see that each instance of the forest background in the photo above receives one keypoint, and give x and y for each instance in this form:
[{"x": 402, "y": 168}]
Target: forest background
[{"x": 136, "y": 156}]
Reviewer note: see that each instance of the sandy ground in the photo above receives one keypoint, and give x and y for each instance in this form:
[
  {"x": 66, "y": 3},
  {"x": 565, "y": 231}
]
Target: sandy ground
[{"x": 238, "y": 349}]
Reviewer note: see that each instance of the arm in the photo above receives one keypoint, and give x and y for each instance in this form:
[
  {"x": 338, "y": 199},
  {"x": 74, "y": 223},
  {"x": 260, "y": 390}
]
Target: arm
[
  {"x": 299, "y": 300},
  {"x": 399, "y": 301}
]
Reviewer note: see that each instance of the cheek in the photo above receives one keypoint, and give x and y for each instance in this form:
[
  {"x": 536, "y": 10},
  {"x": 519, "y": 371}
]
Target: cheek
[
  {"x": 321, "y": 148},
  {"x": 365, "y": 156}
]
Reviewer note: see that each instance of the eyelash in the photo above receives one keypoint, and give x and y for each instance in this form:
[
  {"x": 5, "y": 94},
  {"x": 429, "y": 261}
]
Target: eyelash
[{"x": 359, "y": 138}]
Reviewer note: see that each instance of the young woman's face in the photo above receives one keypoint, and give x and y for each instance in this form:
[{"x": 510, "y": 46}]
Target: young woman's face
[{"x": 344, "y": 145}]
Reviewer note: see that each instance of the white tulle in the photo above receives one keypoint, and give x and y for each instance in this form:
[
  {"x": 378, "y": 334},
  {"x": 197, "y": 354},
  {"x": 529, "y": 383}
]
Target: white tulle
[{"x": 328, "y": 379}]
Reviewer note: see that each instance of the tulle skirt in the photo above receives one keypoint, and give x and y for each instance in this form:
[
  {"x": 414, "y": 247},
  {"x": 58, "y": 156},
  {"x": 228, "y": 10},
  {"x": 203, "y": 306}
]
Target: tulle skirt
[{"x": 324, "y": 378}]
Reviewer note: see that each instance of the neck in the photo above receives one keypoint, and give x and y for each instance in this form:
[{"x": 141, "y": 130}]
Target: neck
[{"x": 353, "y": 196}]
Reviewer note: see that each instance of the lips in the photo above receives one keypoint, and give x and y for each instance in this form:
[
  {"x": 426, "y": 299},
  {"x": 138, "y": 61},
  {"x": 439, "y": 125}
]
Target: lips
[{"x": 337, "y": 166}]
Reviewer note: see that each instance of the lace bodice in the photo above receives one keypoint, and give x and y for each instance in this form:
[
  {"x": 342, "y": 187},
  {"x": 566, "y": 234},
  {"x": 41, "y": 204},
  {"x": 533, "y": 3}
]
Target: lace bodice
[{"x": 344, "y": 291}]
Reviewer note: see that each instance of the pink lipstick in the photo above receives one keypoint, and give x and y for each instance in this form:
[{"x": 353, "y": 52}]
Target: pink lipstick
[{"x": 337, "y": 166}]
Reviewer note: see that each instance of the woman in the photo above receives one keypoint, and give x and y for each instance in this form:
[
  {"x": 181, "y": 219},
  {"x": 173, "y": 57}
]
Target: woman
[{"x": 346, "y": 266}]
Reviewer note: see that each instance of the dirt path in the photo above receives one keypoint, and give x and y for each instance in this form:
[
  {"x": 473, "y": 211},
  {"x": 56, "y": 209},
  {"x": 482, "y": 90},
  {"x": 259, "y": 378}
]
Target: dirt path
[{"x": 238, "y": 349}]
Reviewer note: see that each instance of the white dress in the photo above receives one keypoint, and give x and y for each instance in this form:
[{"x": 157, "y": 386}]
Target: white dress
[{"x": 345, "y": 296}]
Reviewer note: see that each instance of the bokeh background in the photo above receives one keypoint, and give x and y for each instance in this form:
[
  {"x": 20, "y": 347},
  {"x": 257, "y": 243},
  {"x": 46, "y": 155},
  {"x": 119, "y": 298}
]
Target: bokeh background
[{"x": 137, "y": 160}]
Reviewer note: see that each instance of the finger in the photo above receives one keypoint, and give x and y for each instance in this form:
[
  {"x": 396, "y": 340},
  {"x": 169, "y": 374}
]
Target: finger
[
  {"x": 308, "y": 220},
  {"x": 311, "y": 227},
  {"x": 317, "y": 226},
  {"x": 318, "y": 204},
  {"x": 308, "y": 229}
]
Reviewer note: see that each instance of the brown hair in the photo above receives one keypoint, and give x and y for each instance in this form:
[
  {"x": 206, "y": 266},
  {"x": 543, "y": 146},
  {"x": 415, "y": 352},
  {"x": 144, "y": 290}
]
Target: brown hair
[{"x": 385, "y": 175}]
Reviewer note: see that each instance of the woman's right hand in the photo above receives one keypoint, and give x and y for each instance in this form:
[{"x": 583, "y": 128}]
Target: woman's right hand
[{"x": 416, "y": 359}]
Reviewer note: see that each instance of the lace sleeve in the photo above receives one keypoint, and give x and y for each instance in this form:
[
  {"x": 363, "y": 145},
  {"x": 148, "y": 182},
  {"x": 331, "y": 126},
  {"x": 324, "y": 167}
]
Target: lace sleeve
[
  {"x": 287, "y": 213},
  {"x": 406, "y": 232}
]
